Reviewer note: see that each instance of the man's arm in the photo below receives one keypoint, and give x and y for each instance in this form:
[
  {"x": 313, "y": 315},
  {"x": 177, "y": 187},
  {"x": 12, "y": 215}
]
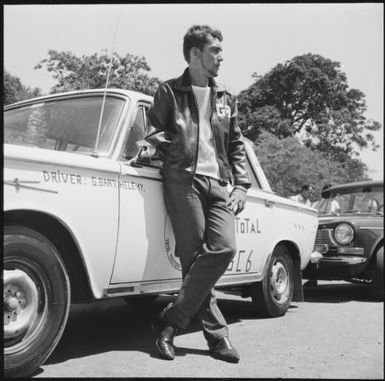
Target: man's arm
[
  {"x": 237, "y": 160},
  {"x": 159, "y": 117},
  {"x": 236, "y": 152}
]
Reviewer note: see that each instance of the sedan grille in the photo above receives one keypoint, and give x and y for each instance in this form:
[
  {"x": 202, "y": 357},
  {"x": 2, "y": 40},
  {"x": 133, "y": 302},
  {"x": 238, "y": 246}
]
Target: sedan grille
[{"x": 325, "y": 237}]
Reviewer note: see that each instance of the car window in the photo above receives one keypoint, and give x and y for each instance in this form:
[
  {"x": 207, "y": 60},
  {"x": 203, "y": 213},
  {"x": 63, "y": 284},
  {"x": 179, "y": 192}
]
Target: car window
[
  {"x": 368, "y": 202},
  {"x": 137, "y": 132},
  {"x": 69, "y": 124},
  {"x": 353, "y": 201}
]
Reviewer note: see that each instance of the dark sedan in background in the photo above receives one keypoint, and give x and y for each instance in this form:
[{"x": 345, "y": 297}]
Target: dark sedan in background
[{"x": 350, "y": 238}]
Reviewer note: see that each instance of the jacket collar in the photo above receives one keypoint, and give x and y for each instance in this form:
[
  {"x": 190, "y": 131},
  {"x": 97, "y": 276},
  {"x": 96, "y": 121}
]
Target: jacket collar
[{"x": 183, "y": 83}]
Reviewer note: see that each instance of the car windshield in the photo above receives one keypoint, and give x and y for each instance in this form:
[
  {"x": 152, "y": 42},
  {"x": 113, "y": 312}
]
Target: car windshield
[
  {"x": 365, "y": 200},
  {"x": 69, "y": 124}
]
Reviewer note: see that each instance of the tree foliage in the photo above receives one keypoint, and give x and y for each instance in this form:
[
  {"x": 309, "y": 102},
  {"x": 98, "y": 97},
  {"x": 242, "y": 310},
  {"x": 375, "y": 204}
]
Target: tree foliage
[
  {"x": 90, "y": 72},
  {"x": 15, "y": 91},
  {"x": 308, "y": 96},
  {"x": 288, "y": 164}
]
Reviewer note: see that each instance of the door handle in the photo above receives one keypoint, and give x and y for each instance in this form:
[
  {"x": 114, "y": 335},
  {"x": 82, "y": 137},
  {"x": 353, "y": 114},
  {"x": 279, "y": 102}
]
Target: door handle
[{"x": 269, "y": 204}]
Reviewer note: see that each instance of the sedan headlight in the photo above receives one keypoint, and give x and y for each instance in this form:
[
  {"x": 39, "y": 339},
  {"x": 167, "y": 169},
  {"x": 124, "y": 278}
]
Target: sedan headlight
[{"x": 344, "y": 234}]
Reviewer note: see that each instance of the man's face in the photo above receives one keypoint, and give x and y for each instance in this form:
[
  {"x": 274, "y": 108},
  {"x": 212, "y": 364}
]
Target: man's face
[
  {"x": 307, "y": 193},
  {"x": 210, "y": 57}
]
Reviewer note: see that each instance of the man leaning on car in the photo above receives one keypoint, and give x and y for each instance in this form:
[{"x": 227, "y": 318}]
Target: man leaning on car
[{"x": 193, "y": 123}]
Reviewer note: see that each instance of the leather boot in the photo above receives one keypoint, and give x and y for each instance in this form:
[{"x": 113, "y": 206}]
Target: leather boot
[
  {"x": 223, "y": 350},
  {"x": 165, "y": 340}
]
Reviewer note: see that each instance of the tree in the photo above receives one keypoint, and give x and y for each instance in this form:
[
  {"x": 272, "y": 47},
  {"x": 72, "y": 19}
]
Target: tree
[
  {"x": 288, "y": 164},
  {"x": 15, "y": 91},
  {"x": 308, "y": 96},
  {"x": 90, "y": 72}
]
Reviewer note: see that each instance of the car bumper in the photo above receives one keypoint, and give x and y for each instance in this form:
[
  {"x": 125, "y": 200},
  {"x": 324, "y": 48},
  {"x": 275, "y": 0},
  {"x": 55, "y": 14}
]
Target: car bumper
[{"x": 337, "y": 266}]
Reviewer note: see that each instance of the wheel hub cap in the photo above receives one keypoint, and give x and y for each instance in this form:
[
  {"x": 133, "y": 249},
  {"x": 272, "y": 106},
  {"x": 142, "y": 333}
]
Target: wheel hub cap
[
  {"x": 279, "y": 282},
  {"x": 20, "y": 303}
]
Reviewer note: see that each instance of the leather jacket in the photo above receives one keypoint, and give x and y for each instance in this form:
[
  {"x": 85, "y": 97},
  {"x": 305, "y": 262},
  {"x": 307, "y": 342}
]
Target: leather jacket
[{"x": 173, "y": 128}]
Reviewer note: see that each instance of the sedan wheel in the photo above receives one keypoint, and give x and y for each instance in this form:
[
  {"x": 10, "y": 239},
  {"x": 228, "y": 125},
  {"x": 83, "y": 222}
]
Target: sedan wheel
[
  {"x": 36, "y": 300},
  {"x": 272, "y": 296}
]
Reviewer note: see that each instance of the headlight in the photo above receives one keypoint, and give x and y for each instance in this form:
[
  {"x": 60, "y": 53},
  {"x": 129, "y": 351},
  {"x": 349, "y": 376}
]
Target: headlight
[{"x": 344, "y": 234}]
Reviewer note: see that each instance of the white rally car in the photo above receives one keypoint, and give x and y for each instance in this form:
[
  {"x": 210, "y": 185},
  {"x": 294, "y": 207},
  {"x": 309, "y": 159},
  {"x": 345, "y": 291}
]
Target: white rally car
[{"x": 84, "y": 219}]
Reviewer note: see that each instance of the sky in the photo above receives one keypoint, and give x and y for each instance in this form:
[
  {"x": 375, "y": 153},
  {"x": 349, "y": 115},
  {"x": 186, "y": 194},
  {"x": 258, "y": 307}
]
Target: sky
[{"x": 256, "y": 38}]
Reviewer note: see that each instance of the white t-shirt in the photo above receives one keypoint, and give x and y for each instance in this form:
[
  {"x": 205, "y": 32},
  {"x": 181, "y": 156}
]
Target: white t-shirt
[
  {"x": 207, "y": 162},
  {"x": 299, "y": 198},
  {"x": 334, "y": 206}
]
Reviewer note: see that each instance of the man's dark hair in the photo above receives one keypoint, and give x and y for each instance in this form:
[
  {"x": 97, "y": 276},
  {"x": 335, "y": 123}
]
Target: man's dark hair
[
  {"x": 197, "y": 36},
  {"x": 306, "y": 187},
  {"x": 326, "y": 186}
]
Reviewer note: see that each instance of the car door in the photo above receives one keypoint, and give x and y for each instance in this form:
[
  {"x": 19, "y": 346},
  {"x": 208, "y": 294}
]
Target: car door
[
  {"x": 145, "y": 240},
  {"x": 254, "y": 229}
]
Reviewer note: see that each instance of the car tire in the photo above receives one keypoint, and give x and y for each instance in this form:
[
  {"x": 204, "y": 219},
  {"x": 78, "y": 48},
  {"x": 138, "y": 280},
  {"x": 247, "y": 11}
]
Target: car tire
[
  {"x": 140, "y": 300},
  {"x": 272, "y": 296},
  {"x": 378, "y": 277},
  {"x": 36, "y": 300}
]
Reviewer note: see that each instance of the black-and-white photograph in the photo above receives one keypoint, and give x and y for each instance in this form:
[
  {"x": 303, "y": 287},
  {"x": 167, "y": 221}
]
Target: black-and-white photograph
[{"x": 193, "y": 190}]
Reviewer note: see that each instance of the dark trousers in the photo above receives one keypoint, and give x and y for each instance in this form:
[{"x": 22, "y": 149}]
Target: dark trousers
[{"x": 205, "y": 244}]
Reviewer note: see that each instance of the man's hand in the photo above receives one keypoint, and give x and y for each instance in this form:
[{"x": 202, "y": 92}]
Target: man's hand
[{"x": 237, "y": 200}]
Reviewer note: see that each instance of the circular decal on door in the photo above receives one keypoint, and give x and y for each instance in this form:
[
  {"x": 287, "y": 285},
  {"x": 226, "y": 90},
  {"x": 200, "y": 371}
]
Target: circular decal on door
[{"x": 169, "y": 244}]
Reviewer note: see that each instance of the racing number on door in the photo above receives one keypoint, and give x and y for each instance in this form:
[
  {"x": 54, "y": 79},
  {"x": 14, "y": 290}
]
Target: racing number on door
[{"x": 241, "y": 262}]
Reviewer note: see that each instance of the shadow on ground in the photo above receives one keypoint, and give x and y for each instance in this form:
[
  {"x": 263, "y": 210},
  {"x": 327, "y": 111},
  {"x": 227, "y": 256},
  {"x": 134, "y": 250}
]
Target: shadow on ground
[
  {"x": 338, "y": 292},
  {"x": 115, "y": 325}
]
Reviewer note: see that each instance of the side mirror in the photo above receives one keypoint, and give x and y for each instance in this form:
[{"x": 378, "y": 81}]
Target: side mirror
[{"x": 145, "y": 151}]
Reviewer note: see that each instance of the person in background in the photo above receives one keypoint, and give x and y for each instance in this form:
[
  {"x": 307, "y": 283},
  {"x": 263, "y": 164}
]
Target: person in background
[
  {"x": 335, "y": 206},
  {"x": 316, "y": 203},
  {"x": 304, "y": 196},
  {"x": 369, "y": 204}
]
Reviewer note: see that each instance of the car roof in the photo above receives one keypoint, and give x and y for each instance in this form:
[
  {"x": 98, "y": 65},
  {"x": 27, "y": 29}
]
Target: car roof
[
  {"x": 130, "y": 93},
  {"x": 356, "y": 185}
]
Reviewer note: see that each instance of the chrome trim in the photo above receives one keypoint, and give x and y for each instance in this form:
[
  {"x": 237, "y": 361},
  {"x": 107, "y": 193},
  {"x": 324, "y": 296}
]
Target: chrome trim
[
  {"x": 18, "y": 184},
  {"x": 44, "y": 162},
  {"x": 173, "y": 285},
  {"x": 325, "y": 237},
  {"x": 350, "y": 250},
  {"x": 343, "y": 243},
  {"x": 343, "y": 260},
  {"x": 256, "y": 193},
  {"x": 371, "y": 228},
  {"x": 121, "y": 92},
  {"x": 315, "y": 256},
  {"x": 321, "y": 248}
]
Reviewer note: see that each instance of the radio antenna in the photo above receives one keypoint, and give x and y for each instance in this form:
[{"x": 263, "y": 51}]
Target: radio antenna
[{"x": 95, "y": 153}]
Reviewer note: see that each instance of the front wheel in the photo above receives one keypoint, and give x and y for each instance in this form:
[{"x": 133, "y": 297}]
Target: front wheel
[
  {"x": 272, "y": 296},
  {"x": 36, "y": 300},
  {"x": 378, "y": 278}
]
